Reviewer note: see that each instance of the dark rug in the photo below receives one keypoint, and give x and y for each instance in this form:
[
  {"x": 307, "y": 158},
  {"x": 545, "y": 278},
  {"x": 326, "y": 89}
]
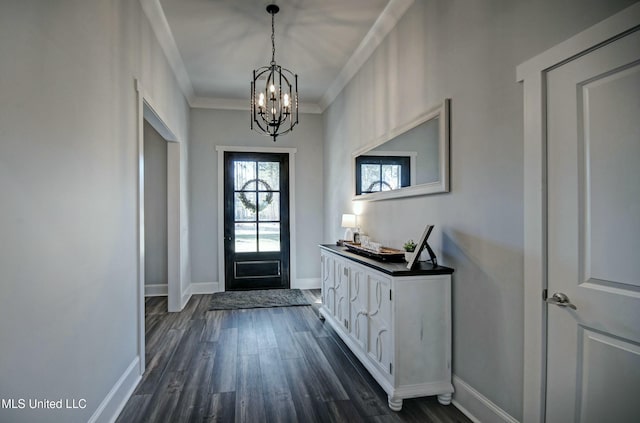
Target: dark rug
[{"x": 232, "y": 300}]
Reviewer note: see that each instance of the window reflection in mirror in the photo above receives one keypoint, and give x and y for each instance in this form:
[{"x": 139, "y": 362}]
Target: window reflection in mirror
[{"x": 413, "y": 160}]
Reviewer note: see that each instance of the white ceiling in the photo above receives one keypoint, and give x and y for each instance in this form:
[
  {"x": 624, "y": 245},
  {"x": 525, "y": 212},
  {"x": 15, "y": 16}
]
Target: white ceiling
[{"x": 214, "y": 45}]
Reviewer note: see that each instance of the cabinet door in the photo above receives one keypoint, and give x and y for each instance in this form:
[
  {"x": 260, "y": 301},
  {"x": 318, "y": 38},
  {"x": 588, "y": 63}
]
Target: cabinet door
[
  {"x": 379, "y": 339},
  {"x": 358, "y": 321},
  {"x": 341, "y": 310},
  {"x": 328, "y": 280}
]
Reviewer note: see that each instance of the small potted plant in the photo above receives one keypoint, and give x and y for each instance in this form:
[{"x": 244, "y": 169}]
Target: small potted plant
[{"x": 409, "y": 248}]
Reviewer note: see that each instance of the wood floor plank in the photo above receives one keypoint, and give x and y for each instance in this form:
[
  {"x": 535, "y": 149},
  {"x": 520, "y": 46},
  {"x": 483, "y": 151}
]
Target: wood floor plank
[
  {"x": 247, "y": 339},
  {"x": 287, "y": 346},
  {"x": 249, "y": 396},
  {"x": 213, "y": 326},
  {"x": 365, "y": 394},
  {"x": 264, "y": 329},
  {"x": 188, "y": 347},
  {"x": 221, "y": 408},
  {"x": 223, "y": 377},
  {"x": 329, "y": 384},
  {"x": 344, "y": 412},
  {"x": 135, "y": 409},
  {"x": 157, "y": 363},
  {"x": 307, "y": 399},
  {"x": 278, "y": 402},
  {"x": 271, "y": 365},
  {"x": 186, "y": 314}
]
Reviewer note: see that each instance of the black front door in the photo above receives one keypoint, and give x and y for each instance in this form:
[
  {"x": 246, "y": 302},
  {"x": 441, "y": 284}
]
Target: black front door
[{"x": 256, "y": 220}]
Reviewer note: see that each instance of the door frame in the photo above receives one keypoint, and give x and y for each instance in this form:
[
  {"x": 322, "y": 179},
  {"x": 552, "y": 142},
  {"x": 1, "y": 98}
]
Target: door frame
[
  {"x": 146, "y": 111},
  {"x": 221, "y": 149},
  {"x": 532, "y": 74}
]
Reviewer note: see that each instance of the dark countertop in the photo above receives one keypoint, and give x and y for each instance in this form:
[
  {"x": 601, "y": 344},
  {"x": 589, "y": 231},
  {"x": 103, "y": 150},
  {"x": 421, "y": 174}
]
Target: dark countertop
[{"x": 390, "y": 268}]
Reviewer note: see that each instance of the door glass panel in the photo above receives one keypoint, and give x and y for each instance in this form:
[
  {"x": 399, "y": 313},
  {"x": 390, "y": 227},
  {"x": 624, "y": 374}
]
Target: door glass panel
[
  {"x": 269, "y": 206},
  {"x": 245, "y": 206},
  {"x": 245, "y": 237},
  {"x": 244, "y": 173},
  {"x": 269, "y": 173},
  {"x": 269, "y": 237}
]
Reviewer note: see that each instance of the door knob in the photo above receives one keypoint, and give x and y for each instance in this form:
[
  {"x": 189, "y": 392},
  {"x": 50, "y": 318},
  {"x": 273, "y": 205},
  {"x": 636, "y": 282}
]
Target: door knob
[{"x": 561, "y": 300}]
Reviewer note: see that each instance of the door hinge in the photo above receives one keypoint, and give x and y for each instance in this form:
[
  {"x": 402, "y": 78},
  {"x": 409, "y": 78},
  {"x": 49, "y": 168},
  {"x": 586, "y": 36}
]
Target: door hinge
[
  {"x": 545, "y": 295},
  {"x": 390, "y": 297},
  {"x": 390, "y": 368}
]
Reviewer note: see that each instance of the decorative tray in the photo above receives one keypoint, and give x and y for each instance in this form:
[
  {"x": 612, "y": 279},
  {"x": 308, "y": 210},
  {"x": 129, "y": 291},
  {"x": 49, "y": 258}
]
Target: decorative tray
[{"x": 385, "y": 253}]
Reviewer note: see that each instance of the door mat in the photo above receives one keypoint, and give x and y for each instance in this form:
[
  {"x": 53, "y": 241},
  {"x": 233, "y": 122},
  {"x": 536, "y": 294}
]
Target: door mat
[{"x": 233, "y": 300}]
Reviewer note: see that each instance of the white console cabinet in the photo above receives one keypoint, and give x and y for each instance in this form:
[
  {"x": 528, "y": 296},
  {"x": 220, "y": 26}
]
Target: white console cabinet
[{"x": 396, "y": 321}]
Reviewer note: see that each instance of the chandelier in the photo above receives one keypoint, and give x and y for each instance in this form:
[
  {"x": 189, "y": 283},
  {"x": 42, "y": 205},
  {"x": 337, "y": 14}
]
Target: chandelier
[{"x": 274, "y": 94}]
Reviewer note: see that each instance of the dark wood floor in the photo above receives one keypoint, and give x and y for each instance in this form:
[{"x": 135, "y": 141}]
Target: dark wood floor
[{"x": 258, "y": 365}]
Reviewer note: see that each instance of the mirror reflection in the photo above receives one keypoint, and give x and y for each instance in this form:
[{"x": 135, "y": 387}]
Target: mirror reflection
[{"x": 413, "y": 162}]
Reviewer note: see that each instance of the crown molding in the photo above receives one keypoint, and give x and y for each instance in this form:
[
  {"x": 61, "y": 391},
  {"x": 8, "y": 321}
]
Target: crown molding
[
  {"x": 387, "y": 20},
  {"x": 238, "y": 104},
  {"x": 160, "y": 26}
]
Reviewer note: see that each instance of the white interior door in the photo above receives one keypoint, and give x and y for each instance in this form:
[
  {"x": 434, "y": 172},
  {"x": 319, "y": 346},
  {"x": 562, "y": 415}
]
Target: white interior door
[{"x": 593, "y": 128}]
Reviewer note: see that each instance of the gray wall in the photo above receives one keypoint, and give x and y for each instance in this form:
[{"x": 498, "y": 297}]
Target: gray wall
[
  {"x": 467, "y": 51},
  {"x": 155, "y": 207},
  {"x": 68, "y": 178},
  {"x": 210, "y": 128}
]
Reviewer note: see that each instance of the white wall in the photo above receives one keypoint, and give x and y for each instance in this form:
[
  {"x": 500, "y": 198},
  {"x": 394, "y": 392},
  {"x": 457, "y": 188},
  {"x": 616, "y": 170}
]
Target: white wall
[
  {"x": 210, "y": 128},
  {"x": 467, "y": 51},
  {"x": 68, "y": 181},
  {"x": 155, "y": 207}
]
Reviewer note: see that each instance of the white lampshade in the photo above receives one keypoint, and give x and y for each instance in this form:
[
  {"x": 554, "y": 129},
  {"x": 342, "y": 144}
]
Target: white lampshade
[{"x": 348, "y": 220}]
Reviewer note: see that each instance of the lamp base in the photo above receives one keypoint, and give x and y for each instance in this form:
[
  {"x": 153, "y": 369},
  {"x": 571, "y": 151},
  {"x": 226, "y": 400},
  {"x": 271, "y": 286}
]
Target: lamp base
[{"x": 348, "y": 235}]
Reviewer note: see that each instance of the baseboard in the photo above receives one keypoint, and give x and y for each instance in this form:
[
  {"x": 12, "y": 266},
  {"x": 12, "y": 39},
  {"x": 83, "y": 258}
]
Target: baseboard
[
  {"x": 306, "y": 283},
  {"x": 156, "y": 290},
  {"x": 111, "y": 406},
  {"x": 476, "y": 406},
  {"x": 205, "y": 287},
  {"x": 185, "y": 297}
]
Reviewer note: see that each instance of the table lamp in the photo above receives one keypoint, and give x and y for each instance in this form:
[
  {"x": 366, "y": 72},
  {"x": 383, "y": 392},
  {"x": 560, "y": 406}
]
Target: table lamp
[{"x": 348, "y": 222}]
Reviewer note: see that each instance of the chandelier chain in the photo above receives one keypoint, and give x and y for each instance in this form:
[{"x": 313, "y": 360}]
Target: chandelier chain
[{"x": 273, "y": 40}]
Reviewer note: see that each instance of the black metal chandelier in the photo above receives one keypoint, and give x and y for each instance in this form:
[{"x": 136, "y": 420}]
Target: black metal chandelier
[{"x": 274, "y": 94}]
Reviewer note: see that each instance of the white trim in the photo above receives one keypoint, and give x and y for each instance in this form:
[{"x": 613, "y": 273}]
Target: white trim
[
  {"x": 204, "y": 288},
  {"x": 242, "y": 104},
  {"x": 174, "y": 233},
  {"x": 478, "y": 408},
  {"x": 140, "y": 223},
  {"x": 442, "y": 112},
  {"x": 533, "y": 74},
  {"x": 160, "y": 26},
  {"x": 147, "y": 111},
  {"x": 306, "y": 283},
  {"x": 221, "y": 149},
  {"x": 156, "y": 290},
  {"x": 424, "y": 389},
  {"x": 185, "y": 296},
  {"x": 387, "y": 20},
  {"x": 112, "y": 404}
]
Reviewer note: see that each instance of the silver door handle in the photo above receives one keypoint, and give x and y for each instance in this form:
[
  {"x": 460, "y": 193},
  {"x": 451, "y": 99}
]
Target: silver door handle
[{"x": 561, "y": 300}]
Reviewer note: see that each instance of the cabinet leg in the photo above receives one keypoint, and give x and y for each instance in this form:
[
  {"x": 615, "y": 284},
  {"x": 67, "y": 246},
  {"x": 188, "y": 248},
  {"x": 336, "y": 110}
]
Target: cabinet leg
[
  {"x": 395, "y": 403},
  {"x": 444, "y": 399}
]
